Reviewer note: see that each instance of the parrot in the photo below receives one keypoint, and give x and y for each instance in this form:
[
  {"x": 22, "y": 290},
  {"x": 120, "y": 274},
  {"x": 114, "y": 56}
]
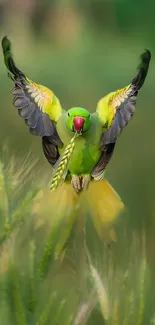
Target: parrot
[
  {"x": 78, "y": 144},
  {"x": 98, "y": 132}
]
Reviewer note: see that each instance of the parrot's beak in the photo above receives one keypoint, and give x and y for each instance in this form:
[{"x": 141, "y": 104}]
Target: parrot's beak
[{"x": 78, "y": 122}]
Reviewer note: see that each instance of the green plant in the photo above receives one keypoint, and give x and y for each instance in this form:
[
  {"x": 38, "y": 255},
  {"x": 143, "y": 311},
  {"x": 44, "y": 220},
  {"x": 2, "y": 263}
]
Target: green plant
[{"x": 88, "y": 283}]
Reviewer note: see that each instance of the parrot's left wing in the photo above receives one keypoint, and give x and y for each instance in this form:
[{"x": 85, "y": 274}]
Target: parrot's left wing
[
  {"x": 115, "y": 111},
  {"x": 36, "y": 104}
]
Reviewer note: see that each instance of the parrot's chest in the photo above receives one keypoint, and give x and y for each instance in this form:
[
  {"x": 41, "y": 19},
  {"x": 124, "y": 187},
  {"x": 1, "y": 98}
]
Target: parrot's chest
[{"x": 86, "y": 152}]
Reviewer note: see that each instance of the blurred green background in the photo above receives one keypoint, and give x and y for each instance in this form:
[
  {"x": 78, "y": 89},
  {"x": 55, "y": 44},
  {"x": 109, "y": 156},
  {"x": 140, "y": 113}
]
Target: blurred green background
[{"x": 82, "y": 50}]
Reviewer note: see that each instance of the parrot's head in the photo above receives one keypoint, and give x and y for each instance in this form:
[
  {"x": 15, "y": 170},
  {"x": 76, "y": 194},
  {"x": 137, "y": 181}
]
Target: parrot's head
[{"x": 78, "y": 119}]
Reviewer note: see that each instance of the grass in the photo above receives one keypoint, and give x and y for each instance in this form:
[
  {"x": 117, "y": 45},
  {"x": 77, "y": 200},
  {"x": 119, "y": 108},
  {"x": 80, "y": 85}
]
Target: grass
[{"x": 87, "y": 283}]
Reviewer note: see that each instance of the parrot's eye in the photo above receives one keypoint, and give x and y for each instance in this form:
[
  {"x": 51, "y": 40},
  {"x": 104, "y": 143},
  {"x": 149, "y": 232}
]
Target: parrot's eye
[{"x": 68, "y": 114}]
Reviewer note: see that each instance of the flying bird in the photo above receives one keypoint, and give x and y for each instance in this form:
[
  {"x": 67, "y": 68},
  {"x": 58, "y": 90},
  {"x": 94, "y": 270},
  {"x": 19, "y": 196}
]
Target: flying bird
[{"x": 77, "y": 143}]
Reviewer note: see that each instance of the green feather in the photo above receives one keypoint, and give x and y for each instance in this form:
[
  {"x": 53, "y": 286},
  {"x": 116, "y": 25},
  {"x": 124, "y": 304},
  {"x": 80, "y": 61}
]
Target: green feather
[{"x": 86, "y": 152}]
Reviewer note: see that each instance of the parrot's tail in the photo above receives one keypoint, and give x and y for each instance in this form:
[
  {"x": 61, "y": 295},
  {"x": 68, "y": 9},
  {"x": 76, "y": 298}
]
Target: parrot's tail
[
  {"x": 8, "y": 59},
  {"x": 104, "y": 206},
  {"x": 65, "y": 207}
]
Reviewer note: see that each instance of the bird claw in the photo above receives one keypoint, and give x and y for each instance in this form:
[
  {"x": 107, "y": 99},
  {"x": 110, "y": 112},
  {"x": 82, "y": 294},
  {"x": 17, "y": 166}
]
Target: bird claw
[
  {"x": 75, "y": 181},
  {"x": 80, "y": 183},
  {"x": 85, "y": 182}
]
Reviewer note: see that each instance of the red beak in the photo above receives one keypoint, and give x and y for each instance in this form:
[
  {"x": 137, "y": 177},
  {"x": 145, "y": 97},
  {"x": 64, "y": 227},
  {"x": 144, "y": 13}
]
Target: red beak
[{"x": 78, "y": 123}]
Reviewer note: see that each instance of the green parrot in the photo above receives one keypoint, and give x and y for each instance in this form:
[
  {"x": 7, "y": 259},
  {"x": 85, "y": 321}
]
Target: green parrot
[{"x": 83, "y": 141}]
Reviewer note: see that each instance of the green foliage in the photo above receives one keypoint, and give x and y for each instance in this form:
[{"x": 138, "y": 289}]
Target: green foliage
[{"x": 89, "y": 283}]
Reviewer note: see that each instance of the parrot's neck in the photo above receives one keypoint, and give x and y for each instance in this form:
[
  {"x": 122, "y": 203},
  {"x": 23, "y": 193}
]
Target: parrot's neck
[{"x": 86, "y": 152}]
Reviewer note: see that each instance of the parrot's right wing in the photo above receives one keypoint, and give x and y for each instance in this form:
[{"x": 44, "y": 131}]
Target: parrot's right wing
[
  {"x": 37, "y": 104},
  {"x": 115, "y": 111}
]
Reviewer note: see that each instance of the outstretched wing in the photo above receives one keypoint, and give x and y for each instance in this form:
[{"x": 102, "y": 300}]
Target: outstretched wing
[
  {"x": 115, "y": 111},
  {"x": 36, "y": 104}
]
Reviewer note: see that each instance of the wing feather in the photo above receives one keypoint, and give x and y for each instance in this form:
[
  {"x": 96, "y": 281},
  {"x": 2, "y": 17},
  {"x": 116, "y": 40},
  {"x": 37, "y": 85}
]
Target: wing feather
[
  {"x": 122, "y": 103},
  {"x": 36, "y": 104},
  {"x": 115, "y": 111}
]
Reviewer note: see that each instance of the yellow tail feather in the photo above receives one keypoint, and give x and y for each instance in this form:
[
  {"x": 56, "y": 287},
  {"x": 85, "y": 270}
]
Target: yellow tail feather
[
  {"x": 100, "y": 202},
  {"x": 104, "y": 206}
]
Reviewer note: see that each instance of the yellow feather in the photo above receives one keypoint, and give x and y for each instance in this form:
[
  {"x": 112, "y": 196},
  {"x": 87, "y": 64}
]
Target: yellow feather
[
  {"x": 105, "y": 111},
  {"x": 45, "y": 99},
  {"x": 107, "y": 106},
  {"x": 119, "y": 96},
  {"x": 100, "y": 202},
  {"x": 104, "y": 206}
]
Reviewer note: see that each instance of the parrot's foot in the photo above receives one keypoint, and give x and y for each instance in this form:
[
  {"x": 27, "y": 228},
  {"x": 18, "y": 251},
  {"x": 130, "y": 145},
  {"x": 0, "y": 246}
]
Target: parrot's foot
[
  {"x": 76, "y": 183},
  {"x": 80, "y": 183},
  {"x": 85, "y": 181}
]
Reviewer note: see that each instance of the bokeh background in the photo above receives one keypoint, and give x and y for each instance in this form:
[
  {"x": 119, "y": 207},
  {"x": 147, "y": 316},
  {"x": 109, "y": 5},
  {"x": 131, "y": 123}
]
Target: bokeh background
[{"x": 82, "y": 50}]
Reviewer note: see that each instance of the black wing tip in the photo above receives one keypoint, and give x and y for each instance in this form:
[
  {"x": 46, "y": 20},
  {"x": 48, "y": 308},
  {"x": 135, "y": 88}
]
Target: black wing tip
[
  {"x": 4, "y": 39},
  {"x": 8, "y": 58},
  {"x": 146, "y": 56},
  {"x": 143, "y": 67},
  {"x": 6, "y": 44}
]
